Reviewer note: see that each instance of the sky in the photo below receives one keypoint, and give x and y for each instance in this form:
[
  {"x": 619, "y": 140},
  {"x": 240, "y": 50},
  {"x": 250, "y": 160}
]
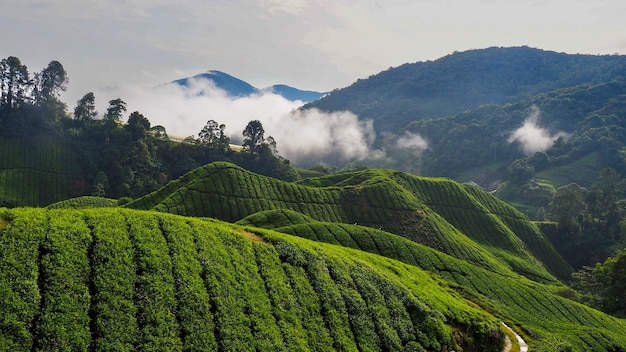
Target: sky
[{"x": 124, "y": 48}]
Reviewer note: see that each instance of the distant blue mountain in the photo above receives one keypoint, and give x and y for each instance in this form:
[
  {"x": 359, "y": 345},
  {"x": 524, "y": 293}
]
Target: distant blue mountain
[
  {"x": 237, "y": 88},
  {"x": 291, "y": 93}
]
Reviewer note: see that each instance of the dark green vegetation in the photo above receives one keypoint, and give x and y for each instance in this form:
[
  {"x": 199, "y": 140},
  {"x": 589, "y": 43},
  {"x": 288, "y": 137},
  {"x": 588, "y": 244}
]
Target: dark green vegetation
[
  {"x": 38, "y": 171},
  {"x": 603, "y": 286},
  {"x": 590, "y": 220},
  {"x": 466, "y": 80},
  {"x": 50, "y": 156},
  {"x": 112, "y": 279}
]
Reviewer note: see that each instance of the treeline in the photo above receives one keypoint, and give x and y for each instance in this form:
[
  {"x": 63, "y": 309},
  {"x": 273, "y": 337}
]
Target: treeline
[
  {"x": 591, "y": 225},
  {"x": 603, "y": 285},
  {"x": 30, "y": 102},
  {"x": 121, "y": 158}
]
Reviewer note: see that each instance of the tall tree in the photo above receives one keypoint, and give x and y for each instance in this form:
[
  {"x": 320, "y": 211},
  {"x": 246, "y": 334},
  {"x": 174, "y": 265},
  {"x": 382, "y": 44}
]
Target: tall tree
[
  {"x": 116, "y": 108},
  {"x": 51, "y": 82},
  {"x": 253, "y": 136},
  {"x": 85, "y": 110},
  {"x": 209, "y": 133},
  {"x": 15, "y": 83},
  {"x": 138, "y": 125},
  {"x": 214, "y": 136}
]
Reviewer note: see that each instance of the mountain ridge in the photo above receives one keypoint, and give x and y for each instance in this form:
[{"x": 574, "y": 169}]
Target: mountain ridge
[
  {"x": 464, "y": 80},
  {"x": 237, "y": 88}
]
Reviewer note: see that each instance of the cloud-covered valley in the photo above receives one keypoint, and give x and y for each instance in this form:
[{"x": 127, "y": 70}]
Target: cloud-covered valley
[{"x": 305, "y": 137}]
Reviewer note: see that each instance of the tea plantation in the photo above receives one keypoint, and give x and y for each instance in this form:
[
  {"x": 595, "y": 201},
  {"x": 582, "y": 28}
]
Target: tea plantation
[
  {"x": 459, "y": 220},
  {"x": 548, "y": 320},
  {"x": 114, "y": 279},
  {"x": 373, "y": 260}
]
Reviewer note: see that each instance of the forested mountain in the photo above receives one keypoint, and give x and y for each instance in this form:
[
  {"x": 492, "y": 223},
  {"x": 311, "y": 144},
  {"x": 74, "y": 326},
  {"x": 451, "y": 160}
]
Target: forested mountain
[
  {"x": 520, "y": 122},
  {"x": 465, "y": 80}
]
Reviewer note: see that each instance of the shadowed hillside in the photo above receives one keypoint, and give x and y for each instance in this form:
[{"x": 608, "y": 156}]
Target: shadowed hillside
[
  {"x": 466, "y": 223},
  {"x": 38, "y": 171}
]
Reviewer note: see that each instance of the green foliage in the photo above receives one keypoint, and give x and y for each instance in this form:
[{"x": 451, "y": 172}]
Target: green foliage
[
  {"x": 116, "y": 279},
  {"x": 84, "y": 202},
  {"x": 194, "y": 308},
  {"x": 605, "y": 284},
  {"x": 63, "y": 321},
  {"x": 113, "y": 275},
  {"x": 437, "y": 212},
  {"x": 590, "y": 220},
  {"x": 154, "y": 294},
  {"x": 20, "y": 297}
]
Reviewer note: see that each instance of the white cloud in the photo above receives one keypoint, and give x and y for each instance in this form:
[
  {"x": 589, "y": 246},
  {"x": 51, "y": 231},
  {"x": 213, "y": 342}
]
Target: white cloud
[
  {"x": 411, "y": 141},
  {"x": 533, "y": 138},
  {"x": 305, "y": 137}
]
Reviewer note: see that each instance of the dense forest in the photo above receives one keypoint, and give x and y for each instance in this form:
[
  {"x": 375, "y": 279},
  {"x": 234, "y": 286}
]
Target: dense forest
[{"x": 118, "y": 155}]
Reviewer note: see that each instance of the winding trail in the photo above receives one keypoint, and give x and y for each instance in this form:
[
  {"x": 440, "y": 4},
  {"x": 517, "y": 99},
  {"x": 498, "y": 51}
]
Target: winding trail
[{"x": 523, "y": 345}]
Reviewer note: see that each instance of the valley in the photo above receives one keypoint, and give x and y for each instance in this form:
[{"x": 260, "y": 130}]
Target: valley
[{"x": 459, "y": 234}]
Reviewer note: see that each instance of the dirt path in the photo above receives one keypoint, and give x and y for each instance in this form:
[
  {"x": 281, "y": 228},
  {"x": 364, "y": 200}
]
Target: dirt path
[{"x": 523, "y": 345}]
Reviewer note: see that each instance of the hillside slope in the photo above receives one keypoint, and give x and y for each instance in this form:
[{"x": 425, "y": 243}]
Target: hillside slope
[
  {"x": 119, "y": 279},
  {"x": 464, "y": 222},
  {"x": 114, "y": 279},
  {"x": 549, "y": 322}
]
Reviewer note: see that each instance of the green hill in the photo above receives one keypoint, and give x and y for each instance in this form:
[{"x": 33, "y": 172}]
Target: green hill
[
  {"x": 119, "y": 279},
  {"x": 554, "y": 322},
  {"x": 459, "y": 220},
  {"x": 84, "y": 202},
  {"x": 114, "y": 279}
]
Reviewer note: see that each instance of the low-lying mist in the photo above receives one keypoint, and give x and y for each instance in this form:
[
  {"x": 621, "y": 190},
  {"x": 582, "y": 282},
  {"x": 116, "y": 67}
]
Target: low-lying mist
[
  {"x": 533, "y": 138},
  {"x": 305, "y": 137}
]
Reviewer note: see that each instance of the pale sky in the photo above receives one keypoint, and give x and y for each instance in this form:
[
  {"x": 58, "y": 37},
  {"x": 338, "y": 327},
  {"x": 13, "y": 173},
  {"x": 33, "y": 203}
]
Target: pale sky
[{"x": 310, "y": 44}]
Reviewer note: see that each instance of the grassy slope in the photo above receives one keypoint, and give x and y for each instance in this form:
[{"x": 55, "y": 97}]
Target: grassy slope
[
  {"x": 84, "y": 202},
  {"x": 118, "y": 279},
  {"x": 545, "y": 319},
  {"x": 37, "y": 172},
  {"x": 464, "y": 222}
]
